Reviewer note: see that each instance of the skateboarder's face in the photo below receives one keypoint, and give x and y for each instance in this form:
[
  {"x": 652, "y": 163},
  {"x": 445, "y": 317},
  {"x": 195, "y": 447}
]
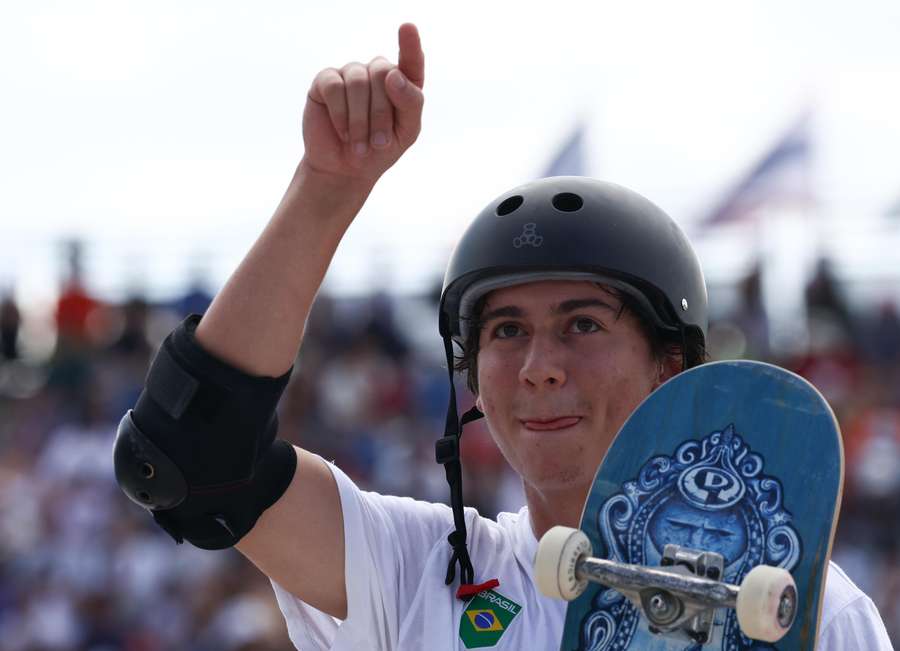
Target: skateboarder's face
[{"x": 563, "y": 352}]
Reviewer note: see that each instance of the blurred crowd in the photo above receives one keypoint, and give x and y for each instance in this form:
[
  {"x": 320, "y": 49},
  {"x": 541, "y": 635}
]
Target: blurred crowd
[{"x": 82, "y": 568}]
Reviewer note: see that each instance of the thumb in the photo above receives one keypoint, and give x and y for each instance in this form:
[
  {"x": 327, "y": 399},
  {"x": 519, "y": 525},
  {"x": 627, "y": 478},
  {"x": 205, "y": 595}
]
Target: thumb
[{"x": 407, "y": 99}]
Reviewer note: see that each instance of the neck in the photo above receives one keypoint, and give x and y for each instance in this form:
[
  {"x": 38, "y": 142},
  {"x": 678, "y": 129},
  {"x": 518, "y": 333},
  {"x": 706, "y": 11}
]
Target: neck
[{"x": 550, "y": 508}]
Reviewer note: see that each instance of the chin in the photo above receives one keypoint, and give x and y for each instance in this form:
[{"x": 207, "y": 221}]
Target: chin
[{"x": 560, "y": 478}]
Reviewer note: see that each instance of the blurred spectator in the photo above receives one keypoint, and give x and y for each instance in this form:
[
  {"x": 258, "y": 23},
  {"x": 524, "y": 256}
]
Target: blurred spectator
[
  {"x": 872, "y": 453},
  {"x": 882, "y": 342},
  {"x": 825, "y": 302},
  {"x": 195, "y": 301},
  {"x": 74, "y": 308},
  {"x": 751, "y": 316},
  {"x": 133, "y": 339},
  {"x": 82, "y": 568},
  {"x": 75, "y": 305},
  {"x": 382, "y": 327},
  {"x": 10, "y": 321}
]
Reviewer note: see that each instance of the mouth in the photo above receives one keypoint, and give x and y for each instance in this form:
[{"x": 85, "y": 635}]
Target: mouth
[{"x": 543, "y": 425}]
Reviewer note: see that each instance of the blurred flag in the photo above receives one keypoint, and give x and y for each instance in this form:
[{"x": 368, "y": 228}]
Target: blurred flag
[
  {"x": 570, "y": 159},
  {"x": 781, "y": 176}
]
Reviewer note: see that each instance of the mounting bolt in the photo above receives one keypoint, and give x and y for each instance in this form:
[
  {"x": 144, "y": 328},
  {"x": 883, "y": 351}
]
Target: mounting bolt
[
  {"x": 662, "y": 608},
  {"x": 787, "y": 607}
]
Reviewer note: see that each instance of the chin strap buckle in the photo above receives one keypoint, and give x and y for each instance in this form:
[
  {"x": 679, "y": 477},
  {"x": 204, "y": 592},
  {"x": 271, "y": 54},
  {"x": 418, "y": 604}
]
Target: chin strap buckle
[
  {"x": 469, "y": 590},
  {"x": 446, "y": 449}
]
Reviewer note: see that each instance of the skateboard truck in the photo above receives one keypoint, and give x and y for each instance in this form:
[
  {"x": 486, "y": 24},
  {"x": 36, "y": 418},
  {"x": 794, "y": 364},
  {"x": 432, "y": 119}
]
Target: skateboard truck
[
  {"x": 665, "y": 612},
  {"x": 678, "y": 598}
]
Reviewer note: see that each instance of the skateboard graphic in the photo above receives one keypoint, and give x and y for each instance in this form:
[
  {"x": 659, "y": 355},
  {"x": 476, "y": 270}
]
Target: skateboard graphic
[{"x": 710, "y": 521}]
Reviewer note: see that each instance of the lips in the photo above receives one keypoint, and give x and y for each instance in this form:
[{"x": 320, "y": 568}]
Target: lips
[{"x": 542, "y": 424}]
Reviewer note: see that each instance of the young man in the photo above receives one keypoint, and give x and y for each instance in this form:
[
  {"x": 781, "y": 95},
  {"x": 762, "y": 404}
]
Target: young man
[{"x": 572, "y": 300}]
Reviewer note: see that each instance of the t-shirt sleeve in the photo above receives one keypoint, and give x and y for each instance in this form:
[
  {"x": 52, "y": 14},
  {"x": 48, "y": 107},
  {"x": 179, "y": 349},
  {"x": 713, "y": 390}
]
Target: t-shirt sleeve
[
  {"x": 387, "y": 540},
  {"x": 857, "y": 626}
]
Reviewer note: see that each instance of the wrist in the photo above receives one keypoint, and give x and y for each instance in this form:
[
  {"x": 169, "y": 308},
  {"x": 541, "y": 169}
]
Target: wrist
[
  {"x": 326, "y": 199},
  {"x": 328, "y": 184}
]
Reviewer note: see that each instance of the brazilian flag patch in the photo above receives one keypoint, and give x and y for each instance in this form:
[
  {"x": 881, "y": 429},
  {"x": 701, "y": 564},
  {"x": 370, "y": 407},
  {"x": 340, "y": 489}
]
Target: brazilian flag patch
[{"x": 486, "y": 618}]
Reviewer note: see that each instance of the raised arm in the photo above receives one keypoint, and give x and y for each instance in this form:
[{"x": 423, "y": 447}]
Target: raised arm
[
  {"x": 197, "y": 450},
  {"x": 358, "y": 121}
]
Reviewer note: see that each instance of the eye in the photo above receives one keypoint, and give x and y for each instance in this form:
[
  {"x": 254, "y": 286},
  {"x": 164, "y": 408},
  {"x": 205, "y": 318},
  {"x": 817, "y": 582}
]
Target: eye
[
  {"x": 506, "y": 330},
  {"x": 585, "y": 325}
]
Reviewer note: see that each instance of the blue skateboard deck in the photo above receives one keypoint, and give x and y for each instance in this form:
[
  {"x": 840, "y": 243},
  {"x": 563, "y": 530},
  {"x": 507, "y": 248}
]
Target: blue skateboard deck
[{"x": 740, "y": 458}]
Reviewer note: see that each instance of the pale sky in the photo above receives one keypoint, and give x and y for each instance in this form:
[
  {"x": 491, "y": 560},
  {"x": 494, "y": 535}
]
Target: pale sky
[{"x": 164, "y": 133}]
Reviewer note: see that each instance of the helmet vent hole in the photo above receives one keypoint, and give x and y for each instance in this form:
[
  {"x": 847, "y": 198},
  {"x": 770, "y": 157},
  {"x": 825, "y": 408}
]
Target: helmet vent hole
[
  {"x": 567, "y": 202},
  {"x": 509, "y": 205}
]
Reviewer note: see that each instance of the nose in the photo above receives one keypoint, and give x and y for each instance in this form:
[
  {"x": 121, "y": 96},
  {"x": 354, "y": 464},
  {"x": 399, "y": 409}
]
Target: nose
[{"x": 544, "y": 363}]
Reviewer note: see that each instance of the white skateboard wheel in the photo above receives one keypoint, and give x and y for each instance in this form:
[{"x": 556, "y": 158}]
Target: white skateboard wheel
[
  {"x": 554, "y": 566},
  {"x": 766, "y": 603}
]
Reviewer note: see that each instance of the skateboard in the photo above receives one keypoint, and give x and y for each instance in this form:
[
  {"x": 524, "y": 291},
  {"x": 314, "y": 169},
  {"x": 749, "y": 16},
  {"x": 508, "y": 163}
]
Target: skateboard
[{"x": 709, "y": 523}]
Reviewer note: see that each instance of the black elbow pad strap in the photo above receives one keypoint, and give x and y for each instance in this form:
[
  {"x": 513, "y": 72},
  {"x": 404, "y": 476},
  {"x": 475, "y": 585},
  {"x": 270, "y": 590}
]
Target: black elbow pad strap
[{"x": 199, "y": 449}]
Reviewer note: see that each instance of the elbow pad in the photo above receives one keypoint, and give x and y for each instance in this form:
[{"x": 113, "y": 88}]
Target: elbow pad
[{"x": 198, "y": 450}]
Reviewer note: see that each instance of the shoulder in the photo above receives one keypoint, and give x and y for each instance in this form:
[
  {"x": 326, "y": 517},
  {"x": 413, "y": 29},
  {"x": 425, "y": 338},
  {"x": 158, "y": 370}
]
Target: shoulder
[
  {"x": 398, "y": 515},
  {"x": 504, "y": 530},
  {"x": 850, "y": 619},
  {"x": 419, "y": 523},
  {"x": 840, "y": 593},
  {"x": 506, "y": 541}
]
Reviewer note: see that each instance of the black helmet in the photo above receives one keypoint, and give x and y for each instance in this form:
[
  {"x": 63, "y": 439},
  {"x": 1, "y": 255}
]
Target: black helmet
[
  {"x": 573, "y": 227},
  {"x": 564, "y": 228}
]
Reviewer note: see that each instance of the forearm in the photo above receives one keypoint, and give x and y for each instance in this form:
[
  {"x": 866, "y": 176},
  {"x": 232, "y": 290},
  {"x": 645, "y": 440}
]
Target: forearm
[{"x": 256, "y": 321}]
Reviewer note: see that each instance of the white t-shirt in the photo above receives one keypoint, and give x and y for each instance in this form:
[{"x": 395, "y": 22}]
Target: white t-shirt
[{"x": 396, "y": 556}]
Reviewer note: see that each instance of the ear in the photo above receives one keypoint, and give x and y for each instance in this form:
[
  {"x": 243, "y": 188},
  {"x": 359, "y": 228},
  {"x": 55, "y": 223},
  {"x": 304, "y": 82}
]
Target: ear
[
  {"x": 669, "y": 367},
  {"x": 479, "y": 404}
]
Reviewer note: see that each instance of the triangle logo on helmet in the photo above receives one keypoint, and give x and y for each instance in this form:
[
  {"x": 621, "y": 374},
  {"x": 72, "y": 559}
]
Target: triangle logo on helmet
[{"x": 529, "y": 237}]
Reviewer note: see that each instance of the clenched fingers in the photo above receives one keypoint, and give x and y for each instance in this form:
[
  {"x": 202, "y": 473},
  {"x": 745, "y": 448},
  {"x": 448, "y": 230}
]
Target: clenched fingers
[
  {"x": 381, "y": 117},
  {"x": 374, "y": 108},
  {"x": 328, "y": 89},
  {"x": 357, "y": 85}
]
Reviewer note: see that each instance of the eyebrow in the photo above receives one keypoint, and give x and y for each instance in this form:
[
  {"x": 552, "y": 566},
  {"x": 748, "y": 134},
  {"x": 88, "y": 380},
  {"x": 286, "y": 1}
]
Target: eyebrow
[{"x": 563, "y": 308}]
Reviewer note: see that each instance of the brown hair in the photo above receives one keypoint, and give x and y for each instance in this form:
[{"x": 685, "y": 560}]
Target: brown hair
[{"x": 663, "y": 343}]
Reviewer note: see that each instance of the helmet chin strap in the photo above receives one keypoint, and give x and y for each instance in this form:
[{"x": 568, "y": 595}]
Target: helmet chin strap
[{"x": 447, "y": 454}]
